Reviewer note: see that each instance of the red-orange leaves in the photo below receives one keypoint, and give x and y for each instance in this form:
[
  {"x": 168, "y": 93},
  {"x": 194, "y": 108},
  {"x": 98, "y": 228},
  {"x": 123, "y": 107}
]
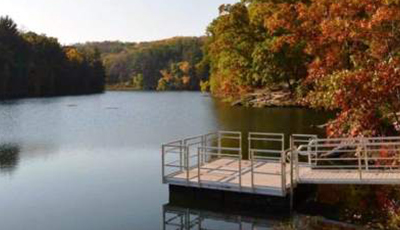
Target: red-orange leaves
[{"x": 355, "y": 45}]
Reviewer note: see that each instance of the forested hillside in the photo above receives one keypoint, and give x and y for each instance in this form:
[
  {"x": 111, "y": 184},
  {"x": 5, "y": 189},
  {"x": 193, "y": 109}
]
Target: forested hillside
[
  {"x": 171, "y": 64},
  {"x": 337, "y": 55},
  {"x": 33, "y": 65}
]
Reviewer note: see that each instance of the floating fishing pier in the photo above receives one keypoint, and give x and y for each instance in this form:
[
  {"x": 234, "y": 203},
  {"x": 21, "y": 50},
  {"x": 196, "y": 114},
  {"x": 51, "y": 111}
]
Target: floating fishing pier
[{"x": 216, "y": 161}]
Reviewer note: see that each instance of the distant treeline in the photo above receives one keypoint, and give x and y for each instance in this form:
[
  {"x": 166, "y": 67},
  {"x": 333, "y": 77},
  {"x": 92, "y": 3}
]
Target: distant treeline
[
  {"x": 171, "y": 64},
  {"x": 33, "y": 65}
]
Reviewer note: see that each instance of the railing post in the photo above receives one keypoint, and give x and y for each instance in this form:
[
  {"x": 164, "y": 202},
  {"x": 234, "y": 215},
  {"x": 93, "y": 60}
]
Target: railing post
[
  {"x": 283, "y": 143},
  {"x": 240, "y": 144},
  {"x": 249, "y": 144},
  {"x": 240, "y": 161},
  {"x": 252, "y": 168},
  {"x": 181, "y": 155},
  {"x": 283, "y": 172},
  {"x": 240, "y": 173},
  {"x": 219, "y": 143},
  {"x": 291, "y": 167},
  {"x": 292, "y": 156},
  {"x": 203, "y": 145},
  {"x": 316, "y": 154},
  {"x": 365, "y": 155},
  {"x": 309, "y": 155},
  {"x": 163, "y": 163},
  {"x": 187, "y": 164},
  {"x": 297, "y": 166},
  {"x": 284, "y": 164},
  {"x": 291, "y": 179},
  {"x": 199, "y": 165},
  {"x": 359, "y": 162}
]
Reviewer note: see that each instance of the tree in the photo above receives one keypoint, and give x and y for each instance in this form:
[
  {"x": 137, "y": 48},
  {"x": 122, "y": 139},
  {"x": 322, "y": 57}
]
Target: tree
[
  {"x": 137, "y": 82},
  {"x": 177, "y": 77},
  {"x": 229, "y": 51},
  {"x": 33, "y": 65},
  {"x": 13, "y": 55},
  {"x": 124, "y": 60},
  {"x": 356, "y": 48},
  {"x": 46, "y": 59},
  {"x": 252, "y": 45}
]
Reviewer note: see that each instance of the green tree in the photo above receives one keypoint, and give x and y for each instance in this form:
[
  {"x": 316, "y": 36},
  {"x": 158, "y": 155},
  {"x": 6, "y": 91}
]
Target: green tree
[
  {"x": 33, "y": 65},
  {"x": 247, "y": 49},
  {"x": 13, "y": 55},
  {"x": 137, "y": 82}
]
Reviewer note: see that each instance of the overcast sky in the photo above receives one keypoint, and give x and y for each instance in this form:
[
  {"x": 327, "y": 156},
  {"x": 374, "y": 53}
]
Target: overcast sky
[{"x": 74, "y": 21}]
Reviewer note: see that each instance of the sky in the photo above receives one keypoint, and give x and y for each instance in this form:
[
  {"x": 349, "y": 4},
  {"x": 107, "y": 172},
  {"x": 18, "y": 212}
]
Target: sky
[{"x": 73, "y": 21}]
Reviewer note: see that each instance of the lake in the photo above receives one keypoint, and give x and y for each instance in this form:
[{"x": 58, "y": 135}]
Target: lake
[{"x": 93, "y": 162}]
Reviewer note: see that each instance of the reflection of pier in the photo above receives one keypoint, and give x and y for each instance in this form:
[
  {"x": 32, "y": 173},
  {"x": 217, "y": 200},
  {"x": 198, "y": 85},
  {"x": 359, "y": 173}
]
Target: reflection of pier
[
  {"x": 215, "y": 161},
  {"x": 183, "y": 218}
]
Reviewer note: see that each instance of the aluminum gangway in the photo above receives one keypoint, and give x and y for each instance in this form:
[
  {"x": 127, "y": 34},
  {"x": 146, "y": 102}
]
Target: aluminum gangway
[{"x": 217, "y": 161}]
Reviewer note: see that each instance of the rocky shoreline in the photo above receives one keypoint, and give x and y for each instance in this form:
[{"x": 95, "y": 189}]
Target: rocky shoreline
[{"x": 269, "y": 98}]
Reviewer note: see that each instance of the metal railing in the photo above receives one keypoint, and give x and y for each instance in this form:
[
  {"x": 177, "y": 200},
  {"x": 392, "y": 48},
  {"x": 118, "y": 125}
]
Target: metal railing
[
  {"x": 267, "y": 148},
  {"x": 184, "y": 155},
  {"x": 215, "y": 153},
  {"x": 191, "y": 160},
  {"x": 361, "y": 155}
]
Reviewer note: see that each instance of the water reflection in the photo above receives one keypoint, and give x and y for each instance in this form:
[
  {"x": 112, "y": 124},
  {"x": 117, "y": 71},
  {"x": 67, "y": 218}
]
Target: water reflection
[
  {"x": 272, "y": 120},
  {"x": 175, "y": 217},
  {"x": 207, "y": 209},
  {"x": 9, "y": 157},
  {"x": 213, "y": 209}
]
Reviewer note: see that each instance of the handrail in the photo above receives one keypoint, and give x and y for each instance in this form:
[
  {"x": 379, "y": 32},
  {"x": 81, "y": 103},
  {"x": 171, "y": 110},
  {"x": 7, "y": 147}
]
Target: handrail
[
  {"x": 360, "y": 154},
  {"x": 356, "y": 155},
  {"x": 234, "y": 156},
  {"x": 221, "y": 148}
]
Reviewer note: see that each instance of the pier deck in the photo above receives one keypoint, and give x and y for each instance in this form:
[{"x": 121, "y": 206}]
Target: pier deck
[
  {"x": 221, "y": 174},
  {"x": 206, "y": 162}
]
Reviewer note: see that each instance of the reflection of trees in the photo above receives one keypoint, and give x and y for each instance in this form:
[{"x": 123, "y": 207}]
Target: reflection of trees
[
  {"x": 272, "y": 120},
  {"x": 375, "y": 205},
  {"x": 9, "y": 157}
]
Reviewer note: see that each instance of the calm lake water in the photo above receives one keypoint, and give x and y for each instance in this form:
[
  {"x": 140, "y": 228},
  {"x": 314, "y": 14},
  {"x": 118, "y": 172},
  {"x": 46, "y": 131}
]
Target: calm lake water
[{"x": 93, "y": 162}]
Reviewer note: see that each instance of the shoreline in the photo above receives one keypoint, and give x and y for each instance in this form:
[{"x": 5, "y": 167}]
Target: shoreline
[
  {"x": 270, "y": 98},
  {"x": 260, "y": 99}
]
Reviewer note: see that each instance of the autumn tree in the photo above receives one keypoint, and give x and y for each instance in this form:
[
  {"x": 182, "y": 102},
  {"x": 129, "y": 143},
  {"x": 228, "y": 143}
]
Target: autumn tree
[
  {"x": 249, "y": 47},
  {"x": 229, "y": 51},
  {"x": 355, "y": 46},
  {"x": 126, "y": 60},
  {"x": 177, "y": 77}
]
